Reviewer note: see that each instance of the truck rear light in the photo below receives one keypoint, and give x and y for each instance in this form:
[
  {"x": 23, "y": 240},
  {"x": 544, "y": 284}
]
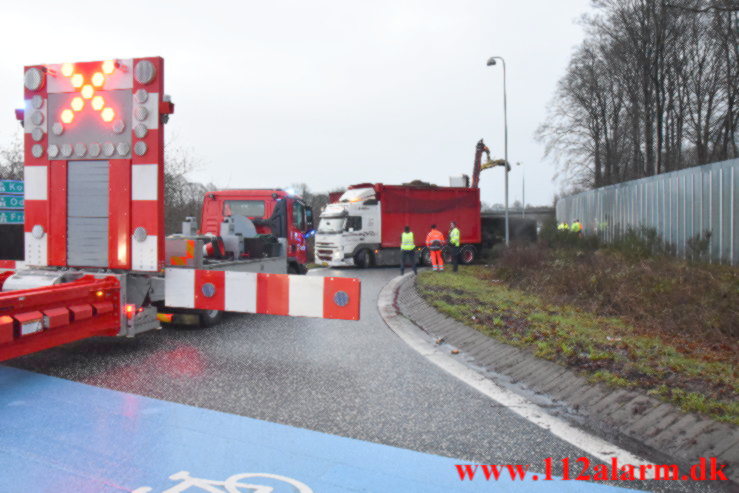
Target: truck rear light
[
  {"x": 6, "y": 329},
  {"x": 129, "y": 310},
  {"x": 67, "y": 69},
  {"x": 81, "y": 312},
  {"x": 30, "y": 322},
  {"x": 56, "y": 317}
]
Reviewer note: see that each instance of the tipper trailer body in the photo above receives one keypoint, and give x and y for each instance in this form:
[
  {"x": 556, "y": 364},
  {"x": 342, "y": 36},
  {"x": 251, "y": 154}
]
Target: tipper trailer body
[{"x": 364, "y": 226}]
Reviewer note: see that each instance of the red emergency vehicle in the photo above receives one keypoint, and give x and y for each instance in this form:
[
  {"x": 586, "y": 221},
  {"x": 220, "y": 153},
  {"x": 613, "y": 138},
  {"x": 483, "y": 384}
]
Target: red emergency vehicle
[
  {"x": 277, "y": 212},
  {"x": 97, "y": 262}
]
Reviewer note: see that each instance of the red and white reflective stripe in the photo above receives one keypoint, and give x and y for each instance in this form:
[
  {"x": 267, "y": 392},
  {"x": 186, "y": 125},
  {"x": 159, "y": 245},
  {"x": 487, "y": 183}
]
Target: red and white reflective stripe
[
  {"x": 144, "y": 202},
  {"x": 12, "y": 264},
  {"x": 274, "y": 294},
  {"x": 36, "y": 181}
]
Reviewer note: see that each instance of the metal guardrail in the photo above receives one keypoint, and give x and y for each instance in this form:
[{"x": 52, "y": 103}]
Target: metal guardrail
[{"x": 679, "y": 205}]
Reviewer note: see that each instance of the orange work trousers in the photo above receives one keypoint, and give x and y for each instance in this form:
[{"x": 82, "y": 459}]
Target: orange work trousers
[{"x": 437, "y": 260}]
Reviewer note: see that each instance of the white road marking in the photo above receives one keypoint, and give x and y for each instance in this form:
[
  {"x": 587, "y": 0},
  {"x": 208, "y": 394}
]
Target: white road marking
[{"x": 421, "y": 343}]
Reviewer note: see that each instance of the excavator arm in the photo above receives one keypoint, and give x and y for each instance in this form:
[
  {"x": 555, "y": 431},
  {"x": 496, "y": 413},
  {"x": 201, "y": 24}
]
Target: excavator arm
[{"x": 481, "y": 149}]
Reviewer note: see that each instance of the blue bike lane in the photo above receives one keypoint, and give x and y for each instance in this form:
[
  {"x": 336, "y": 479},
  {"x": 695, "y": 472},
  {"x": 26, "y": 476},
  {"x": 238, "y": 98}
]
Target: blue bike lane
[{"x": 57, "y": 435}]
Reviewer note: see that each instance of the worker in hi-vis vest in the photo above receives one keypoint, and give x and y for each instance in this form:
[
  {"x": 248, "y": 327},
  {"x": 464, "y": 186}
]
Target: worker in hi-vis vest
[
  {"x": 454, "y": 244},
  {"x": 576, "y": 227},
  {"x": 407, "y": 250},
  {"x": 435, "y": 242}
]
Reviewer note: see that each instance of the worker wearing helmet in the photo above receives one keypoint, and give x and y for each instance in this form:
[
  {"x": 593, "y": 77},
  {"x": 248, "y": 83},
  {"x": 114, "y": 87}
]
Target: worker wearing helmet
[
  {"x": 454, "y": 244},
  {"x": 407, "y": 250},
  {"x": 435, "y": 242}
]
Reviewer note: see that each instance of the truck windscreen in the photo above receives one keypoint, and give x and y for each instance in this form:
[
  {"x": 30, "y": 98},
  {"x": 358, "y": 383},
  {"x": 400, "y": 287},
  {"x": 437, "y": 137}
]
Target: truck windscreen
[
  {"x": 331, "y": 225},
  {"x": 248, "y": 208}
]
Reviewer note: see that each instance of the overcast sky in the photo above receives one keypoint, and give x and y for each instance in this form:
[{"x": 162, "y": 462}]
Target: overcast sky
[{"x": 328, "y": 93}]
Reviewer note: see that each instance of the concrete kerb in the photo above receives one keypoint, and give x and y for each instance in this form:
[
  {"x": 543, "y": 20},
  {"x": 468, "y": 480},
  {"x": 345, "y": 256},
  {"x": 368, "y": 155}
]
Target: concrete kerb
[{"x": 615, "y": 414}]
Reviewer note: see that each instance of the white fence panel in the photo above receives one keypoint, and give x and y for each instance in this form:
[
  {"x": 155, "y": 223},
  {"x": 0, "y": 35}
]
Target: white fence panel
[{"x": 679, "y": 205}]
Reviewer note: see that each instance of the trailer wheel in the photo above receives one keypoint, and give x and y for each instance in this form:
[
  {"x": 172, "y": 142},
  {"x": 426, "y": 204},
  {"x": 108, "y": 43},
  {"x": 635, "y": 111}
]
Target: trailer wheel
[
  {"x": 468, "y": 254},
  {"x": 295, "y": 268},
  {"x": 363, "y": 259},
  {"x": 209, "y": 318}
]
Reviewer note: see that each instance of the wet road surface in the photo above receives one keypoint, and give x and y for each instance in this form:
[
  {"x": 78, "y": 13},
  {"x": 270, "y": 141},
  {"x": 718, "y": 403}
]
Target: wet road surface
[{"x": 353, "y": 379}]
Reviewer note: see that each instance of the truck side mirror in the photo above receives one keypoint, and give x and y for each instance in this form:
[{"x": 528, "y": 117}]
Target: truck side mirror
[{"x": 308, "y": 218}]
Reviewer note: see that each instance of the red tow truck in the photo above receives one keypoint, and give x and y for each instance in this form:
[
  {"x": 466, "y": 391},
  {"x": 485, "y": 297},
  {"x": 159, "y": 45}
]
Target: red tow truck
[
  {"x": 97, "y": 262},
  {"x": 276, "y": 212}
]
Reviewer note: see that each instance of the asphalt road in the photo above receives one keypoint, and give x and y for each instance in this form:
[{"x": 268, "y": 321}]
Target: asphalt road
[{"x": 354, "y": 379}]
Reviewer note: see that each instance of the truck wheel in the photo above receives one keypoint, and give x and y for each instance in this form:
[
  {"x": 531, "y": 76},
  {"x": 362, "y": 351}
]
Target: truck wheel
[
  {"x": 363, "y": 259},
  {"x": 294, "y": 268},
  {"x": 425, "y": 257},
  {"x": 446, "y": 254},
  {"x": 468, "y": 254},
  {"x": 209, "y": 318}
]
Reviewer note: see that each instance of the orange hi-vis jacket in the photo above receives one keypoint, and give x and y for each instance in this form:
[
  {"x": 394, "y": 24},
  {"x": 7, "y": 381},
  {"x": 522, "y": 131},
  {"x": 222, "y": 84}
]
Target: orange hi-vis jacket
[{"x": 435, "y": 239}]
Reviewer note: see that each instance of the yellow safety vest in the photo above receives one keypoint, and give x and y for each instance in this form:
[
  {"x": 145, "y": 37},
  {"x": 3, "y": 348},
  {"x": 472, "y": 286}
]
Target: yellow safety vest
[
  {"x": 407, "y": 242},
  {"x": 576, "y": 227},
  {"x": 454, "y": 237},
  {"x": 563, "y": 226}
]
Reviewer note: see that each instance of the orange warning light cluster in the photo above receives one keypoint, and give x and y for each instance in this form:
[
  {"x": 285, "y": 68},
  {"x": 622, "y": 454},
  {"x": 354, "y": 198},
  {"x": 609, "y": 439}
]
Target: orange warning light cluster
[{"x": 87, "y": 91}]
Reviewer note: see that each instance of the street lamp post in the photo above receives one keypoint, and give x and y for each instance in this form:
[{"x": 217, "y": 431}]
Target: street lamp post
[
  {"x": 523, "y": 192},
  {"x": 492, "y": 61}
]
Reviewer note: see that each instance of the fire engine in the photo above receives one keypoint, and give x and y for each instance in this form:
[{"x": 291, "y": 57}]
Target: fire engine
[
  {"x": 273, "y": 211},
  {"x": 97, "y": 262}
]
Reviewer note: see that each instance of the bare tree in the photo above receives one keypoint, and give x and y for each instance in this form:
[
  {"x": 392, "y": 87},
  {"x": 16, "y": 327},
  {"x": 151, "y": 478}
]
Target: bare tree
[
  {"x": 652, "y": 88},
  {"x": 11, "y": 160},
  {"x": 182, "y": 198}
]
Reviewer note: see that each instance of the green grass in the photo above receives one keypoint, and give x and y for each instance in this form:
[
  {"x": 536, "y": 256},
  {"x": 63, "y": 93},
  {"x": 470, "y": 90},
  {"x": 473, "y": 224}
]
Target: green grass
[{"x": 605, "y": 349}]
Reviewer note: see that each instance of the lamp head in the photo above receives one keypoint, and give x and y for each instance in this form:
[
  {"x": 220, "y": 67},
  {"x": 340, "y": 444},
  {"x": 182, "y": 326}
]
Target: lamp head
[{"x": 491, "y": 61}]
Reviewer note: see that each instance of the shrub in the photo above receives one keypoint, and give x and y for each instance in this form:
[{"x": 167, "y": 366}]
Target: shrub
[{"x": 696, "y": 248}]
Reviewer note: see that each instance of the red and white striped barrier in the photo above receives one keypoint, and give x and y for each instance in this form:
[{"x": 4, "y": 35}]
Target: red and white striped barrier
[
  {"x": 274, "y": 294},
  {"x": 11, "y": 264}
]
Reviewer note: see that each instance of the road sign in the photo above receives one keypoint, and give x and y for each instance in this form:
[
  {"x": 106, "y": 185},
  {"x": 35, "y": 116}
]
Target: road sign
[
  {"x": 11, "y": 202},
  {"x": 11, "y": 217},
  {"x": 11, "y": 186}
]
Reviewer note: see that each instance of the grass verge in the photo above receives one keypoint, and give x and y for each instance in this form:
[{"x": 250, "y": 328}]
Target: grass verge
[{"x": 606, "y": 349}]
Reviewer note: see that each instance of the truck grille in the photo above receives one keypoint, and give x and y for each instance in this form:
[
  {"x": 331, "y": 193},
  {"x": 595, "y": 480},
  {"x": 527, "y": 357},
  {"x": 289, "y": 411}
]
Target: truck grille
[{"x": 324, "y": 254}]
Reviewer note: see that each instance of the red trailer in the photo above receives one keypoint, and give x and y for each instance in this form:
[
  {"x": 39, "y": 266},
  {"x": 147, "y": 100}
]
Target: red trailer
[
  {"x": 420, "y": 207},
  {"x": 363, "y": 227}
]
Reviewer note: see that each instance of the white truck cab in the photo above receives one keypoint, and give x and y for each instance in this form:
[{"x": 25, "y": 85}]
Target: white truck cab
[{"x": 349, "y": 230}]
